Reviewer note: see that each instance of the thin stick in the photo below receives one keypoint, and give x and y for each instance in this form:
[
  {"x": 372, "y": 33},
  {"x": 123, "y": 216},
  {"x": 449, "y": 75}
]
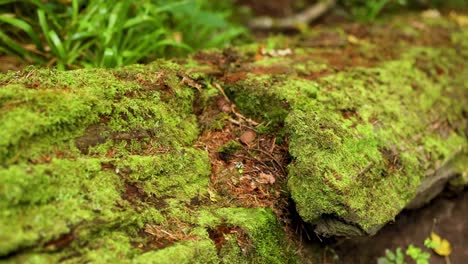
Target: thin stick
[
  {"x": 273, "y": 145},
  {"x": 233, "y": 107},
  {"x": 273, "y": 158},
  {"x": 311, "y": 13}
]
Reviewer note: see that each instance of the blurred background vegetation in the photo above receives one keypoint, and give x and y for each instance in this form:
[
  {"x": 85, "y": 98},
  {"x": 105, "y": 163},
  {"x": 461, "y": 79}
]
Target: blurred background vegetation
[{"x": 107, "y": 33}]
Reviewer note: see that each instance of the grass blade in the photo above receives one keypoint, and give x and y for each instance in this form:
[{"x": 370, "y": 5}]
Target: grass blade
[
  {"x": 13, "y": 45},
  {"x": 18, "y": 23},
  {"x": 57, "y": 44}
]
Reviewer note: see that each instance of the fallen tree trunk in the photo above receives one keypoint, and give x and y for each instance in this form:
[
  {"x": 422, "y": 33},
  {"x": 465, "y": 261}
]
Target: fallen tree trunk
[
  {"x": 107, "y": 164},
  {"x": 376, "y": 123}
]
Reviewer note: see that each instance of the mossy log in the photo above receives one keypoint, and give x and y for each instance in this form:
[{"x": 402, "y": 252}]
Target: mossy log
[{"x": 102, "y": 166}]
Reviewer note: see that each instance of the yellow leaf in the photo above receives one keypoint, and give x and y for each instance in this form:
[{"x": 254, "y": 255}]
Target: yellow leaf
[
  {"x": 443, "y": 247},
  {"x": 212, "y": 196},
  {"x": 459, "y": 19},
  {"x": 302, "y": 27},
  {"x": 353, "y": 39}
]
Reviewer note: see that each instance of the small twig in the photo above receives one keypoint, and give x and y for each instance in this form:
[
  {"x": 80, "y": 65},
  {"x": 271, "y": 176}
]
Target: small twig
[
  {"x": 167, "y": 233},
  {"x": 311, "y": 13},
  {"x": 232, "y": 120},
  {"x": 273, "y": 158},
  {"x": 251, "y": 157},
  {"x": 221, "y": 90},
  {"x": 248, "y": 120},
  {"x": 233, "y": 108},
  {"x": 366, "y": 169},
  {"x": 273, "y": 145},
  {"x": 51, "y": 62},
  {"x": 187, "y": 81}
]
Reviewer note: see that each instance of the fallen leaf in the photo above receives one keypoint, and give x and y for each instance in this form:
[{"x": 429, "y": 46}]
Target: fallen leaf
[
  {"x": 245, "y": 178},
  {"x": 459, "y": 19},
  {"x": 353, "y": 39},
  {"x": 267, "y": 178},
  {"x": 212, "y": 196},
  {"x": 223, "y": 104},
  {"x": 248, "y": 137},
  {"x": 442, "y": 247}
]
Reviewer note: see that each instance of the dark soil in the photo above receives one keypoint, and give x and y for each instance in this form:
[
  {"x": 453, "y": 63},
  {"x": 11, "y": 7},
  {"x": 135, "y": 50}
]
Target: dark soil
[{"x": 446, "y": 216}]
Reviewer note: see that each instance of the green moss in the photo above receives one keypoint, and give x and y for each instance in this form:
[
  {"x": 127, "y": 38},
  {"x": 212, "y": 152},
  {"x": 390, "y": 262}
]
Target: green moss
[
  {"x": 202, "y": 251},
  {"x": 356, "y": 136},
  {"x": 459, "y": 39},
  {"x": 90, "y": 158},
  {"x": 101, "y": 155},
  {"x": 265, "y": 236},
  {"x": 47, "y": 200},
  {"x": 347, "y": 166},
  {"x": 230, "y": 147},
  {"x": 263, "y": 229},
  {"x": 57, "y": 106},
  {"x": 89, "y": 154},
  {"x": 461, "y": 169},
  {"x": 231, "y": 252}
]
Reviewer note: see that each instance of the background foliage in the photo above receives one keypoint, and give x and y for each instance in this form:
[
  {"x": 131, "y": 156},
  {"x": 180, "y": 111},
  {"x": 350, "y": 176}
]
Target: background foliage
[{"x": 109, "y": 33}]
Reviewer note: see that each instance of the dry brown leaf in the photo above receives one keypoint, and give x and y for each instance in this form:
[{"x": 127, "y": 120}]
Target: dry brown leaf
[
  {"x": 248, "y": 137},
  {"x": 266, "y": 178}
]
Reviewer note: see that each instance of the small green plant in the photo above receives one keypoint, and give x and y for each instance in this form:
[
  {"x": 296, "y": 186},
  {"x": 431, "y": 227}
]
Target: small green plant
[
  {"x": 391, "y": 257},
  {"x": 418, "y": 255},
  {"x": 429, "y": 243},
  {"x": 230, "y": 147},
  {"x": 369, "y": 10},
  {"x": 415, "y": 253},
  {"x": 108, "y": 33}
]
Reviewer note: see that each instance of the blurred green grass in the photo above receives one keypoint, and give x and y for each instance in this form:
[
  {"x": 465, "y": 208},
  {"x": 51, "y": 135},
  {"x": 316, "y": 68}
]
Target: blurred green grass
[
  {"x": 72, "y": 34},
  {"x": 106, "y": 33}
]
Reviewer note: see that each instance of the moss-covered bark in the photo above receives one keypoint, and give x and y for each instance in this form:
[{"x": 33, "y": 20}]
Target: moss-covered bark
[
  {"x": 95, "y": 162},
  {"x": 100, "y": 165},
  {"x": 381, "y": 125}
]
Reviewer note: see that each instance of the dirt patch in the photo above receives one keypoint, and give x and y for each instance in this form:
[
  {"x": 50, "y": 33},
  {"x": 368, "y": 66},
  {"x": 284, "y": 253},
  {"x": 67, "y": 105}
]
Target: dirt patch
[
  {"x": 221, "y": 61},
  {"x": 134, "y": 193},
  {"x": 61, "y": 242},
  {"x": 252, "y": 175},
  {"x": 10, "y": 63},
  {"x": 159, "y": 236},
  {"x": 445, "y": 215},
  {"x": 220, "y": 234}
]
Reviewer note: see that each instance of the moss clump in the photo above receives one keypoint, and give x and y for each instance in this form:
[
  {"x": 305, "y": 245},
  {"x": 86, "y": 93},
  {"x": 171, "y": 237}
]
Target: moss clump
[
  {"x": 265, "y": 241},
  {"x": 89, "y": 157},
  {"x": 356, "y": 154},
  {"x": 230, "y": 147},
  {"x": 363, "y": 139},
  {"x": 202, "y": 251},
  {"x": 98, "y": 166}
]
